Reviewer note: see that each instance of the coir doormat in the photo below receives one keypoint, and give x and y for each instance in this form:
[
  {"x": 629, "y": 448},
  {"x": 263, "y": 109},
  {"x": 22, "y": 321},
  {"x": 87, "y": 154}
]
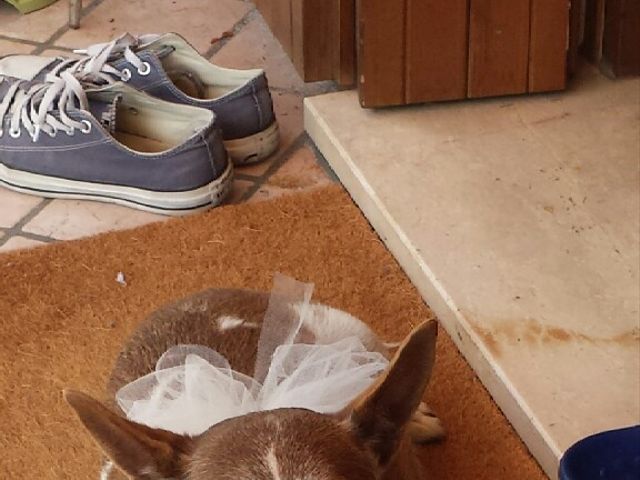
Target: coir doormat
[{"x": 63, "y": 318}]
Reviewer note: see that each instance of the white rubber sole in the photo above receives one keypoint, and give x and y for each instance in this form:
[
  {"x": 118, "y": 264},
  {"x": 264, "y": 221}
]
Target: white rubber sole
[
  {"x": 165, "y": 203},
  {"x": 254, "y": 148}
]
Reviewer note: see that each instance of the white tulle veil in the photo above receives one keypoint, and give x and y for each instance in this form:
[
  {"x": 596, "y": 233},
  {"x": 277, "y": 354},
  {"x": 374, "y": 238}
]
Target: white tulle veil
[{"x": 193, "y": 387}]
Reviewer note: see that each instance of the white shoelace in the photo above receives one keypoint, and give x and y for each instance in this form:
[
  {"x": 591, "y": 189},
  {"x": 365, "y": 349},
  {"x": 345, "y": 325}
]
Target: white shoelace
[
  {"x": 30, "y": 107},
  {"x": 94, "y": 64}
]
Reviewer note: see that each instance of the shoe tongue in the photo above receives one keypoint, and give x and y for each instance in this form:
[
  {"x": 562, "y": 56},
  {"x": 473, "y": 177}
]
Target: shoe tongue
[
  {"x": 152, "y": 41},
  {"x": 105, "y": 111},
  {"x": 161, "y": 51},
  {"x": 124, "y": 41},
  {"x": 23, "y": 87},
  {"x": 5, "y": 84}
]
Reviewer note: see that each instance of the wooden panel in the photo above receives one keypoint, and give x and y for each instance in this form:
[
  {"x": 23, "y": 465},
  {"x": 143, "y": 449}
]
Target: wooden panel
[
  {"x": 297, "y": 36},
  {"x": 593, "y": 30},
  {"x": 437, "y": 40},
  {"x": 498, "y": 47},
  {"x": 344, "y": 41},
  {"x": 318, "y": 35},
  {"x": 548, "y": 45},
  {"x": 317, "y": 44},
  {"x": 381, "y": 52},
  {"x": 621, "y": 46},
  {"x": 576, "y": 32}
]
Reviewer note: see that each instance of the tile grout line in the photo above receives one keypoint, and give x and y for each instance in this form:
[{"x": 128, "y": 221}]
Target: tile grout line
[
  {"x": 320, "y": 160},
  {"x": 274, "y": 167},
  {"x": 280, "y": 159},
  {"x": 36, "y": 236},
  {"x": 235, "y": 30},
  {"x": 305, "y": 141},
  {"x": 246, "y": 177},
  {"x": 16, "y": 229},
  {"x": 64, "y": 29},
  {"x": 20, "y": 40},
  {"x": 44, "y": 45},
  {"x": 302, "y": 140}
]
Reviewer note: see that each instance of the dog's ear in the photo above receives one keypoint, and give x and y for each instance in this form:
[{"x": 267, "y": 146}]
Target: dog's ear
[
  {"x": 380, "y": 415},
  {"x": 138, "y": 450}
]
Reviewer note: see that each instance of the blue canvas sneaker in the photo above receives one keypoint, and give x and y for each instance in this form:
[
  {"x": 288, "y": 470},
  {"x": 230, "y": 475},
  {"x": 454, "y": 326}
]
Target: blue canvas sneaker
[
  {"x": 68, "y": 139},
  {"x": 168, "y": 67}
]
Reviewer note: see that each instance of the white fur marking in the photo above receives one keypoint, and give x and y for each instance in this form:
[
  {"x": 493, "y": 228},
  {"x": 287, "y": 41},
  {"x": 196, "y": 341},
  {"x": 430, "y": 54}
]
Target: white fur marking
[
  {"x": 107, "y": 467},
  {"x": 227, "y": 323},
  {"x": 272, "y": 463}
]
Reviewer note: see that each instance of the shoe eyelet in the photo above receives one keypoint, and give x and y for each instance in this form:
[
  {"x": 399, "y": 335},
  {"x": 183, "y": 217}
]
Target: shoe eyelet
[
  {"x": 145, "y": 70},
  {"x": 53, "y": 133},
  {"x": 125, "y": 74},
  {"x": 87, "y": 128},
  {"x": 15, "y": 133},
  {"x": 71, "y": 132}
]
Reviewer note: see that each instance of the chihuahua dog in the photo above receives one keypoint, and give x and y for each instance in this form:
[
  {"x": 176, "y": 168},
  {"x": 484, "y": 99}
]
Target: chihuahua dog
[{"x": 371, "y": 439}]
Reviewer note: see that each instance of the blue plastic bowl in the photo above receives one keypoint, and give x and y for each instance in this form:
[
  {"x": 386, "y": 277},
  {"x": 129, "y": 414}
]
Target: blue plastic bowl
[{"x": 612, "y": 455}]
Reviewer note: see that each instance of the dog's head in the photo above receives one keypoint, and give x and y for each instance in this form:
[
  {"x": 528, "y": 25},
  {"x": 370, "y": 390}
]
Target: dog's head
[{"x": 366, "y": 441}]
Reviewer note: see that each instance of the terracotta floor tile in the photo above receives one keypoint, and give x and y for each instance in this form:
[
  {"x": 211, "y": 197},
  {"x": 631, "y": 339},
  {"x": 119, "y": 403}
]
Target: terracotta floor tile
[
  {"x": 69, "y": 219},
  {"x": 256, "y": 47},
  {"x": 7, "y": 47},
  {"x": 288, "y": 108},
  {"x": 198, "y": 20},
  {"x": 257, "y": 169},
  {"x": 37, "y": 26},
  {"x": 268, "y": 192},
  {"x": 239, "y": 188},
  {"x": 301, "y": 171},
  {"x": 14, "y": 206},
  {"x": 17, "y": 242}
]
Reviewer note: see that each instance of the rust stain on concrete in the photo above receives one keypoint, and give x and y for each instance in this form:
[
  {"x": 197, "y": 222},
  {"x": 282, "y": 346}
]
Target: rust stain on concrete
[{"x": 534, "y": 333}]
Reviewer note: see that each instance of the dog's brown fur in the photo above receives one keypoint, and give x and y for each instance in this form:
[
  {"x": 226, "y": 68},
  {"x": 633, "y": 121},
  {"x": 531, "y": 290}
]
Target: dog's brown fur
[{"x": 372, "y": 439}]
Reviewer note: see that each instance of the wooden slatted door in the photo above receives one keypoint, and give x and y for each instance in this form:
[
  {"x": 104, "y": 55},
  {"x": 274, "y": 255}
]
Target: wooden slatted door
[
  {"x": 621, "y": 37},
  {"x": 498, "y": 47},
  {"x": 318, "y": 36},
  {"x": 412, "y": 51}
]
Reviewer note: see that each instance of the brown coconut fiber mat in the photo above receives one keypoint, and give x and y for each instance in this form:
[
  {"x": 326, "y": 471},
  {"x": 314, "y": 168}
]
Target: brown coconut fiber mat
[{"x": 63, "y": 318}]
